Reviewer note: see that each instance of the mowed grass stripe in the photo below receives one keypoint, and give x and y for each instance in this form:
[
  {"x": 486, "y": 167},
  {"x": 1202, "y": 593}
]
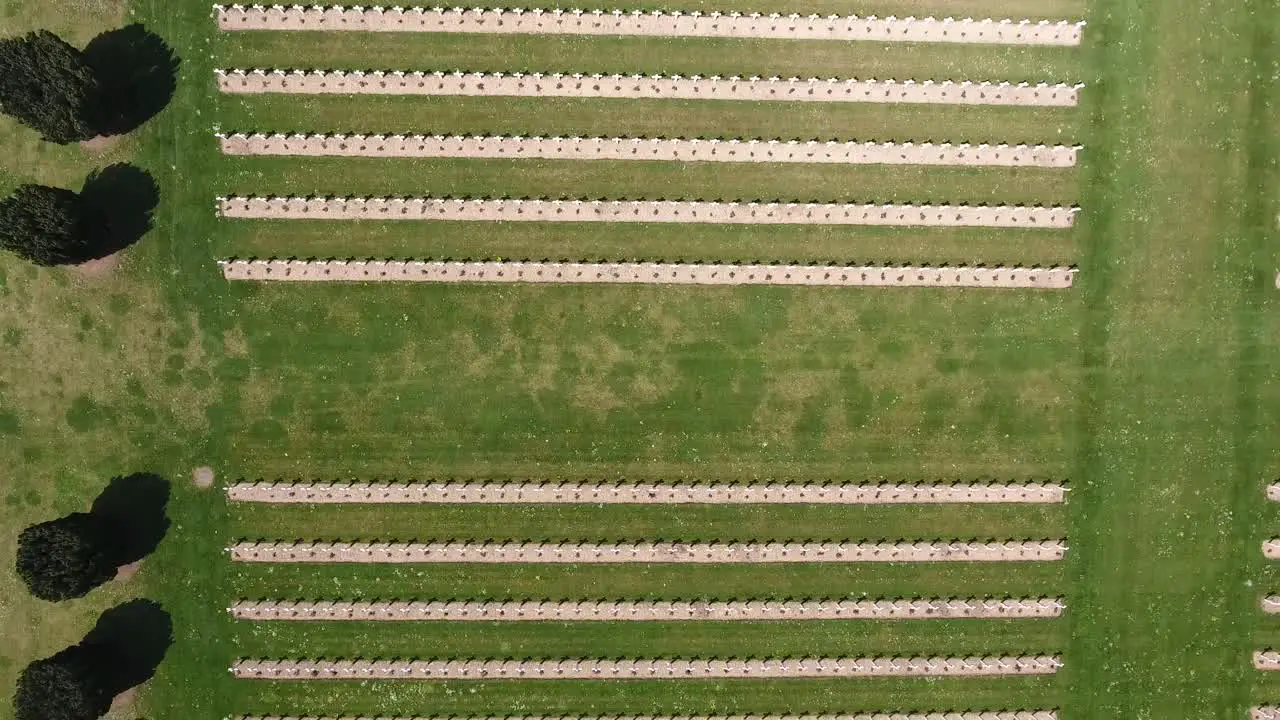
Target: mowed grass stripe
[
  {"x": 634, "y": 696},
  {"x": 650, "y": 381},
  {"x": 643, "y": 180},
  {"x": 643, "y": 582},
  {"x": 646, "y": 56},
  {"x": 821, "y": 638},
  {"x": 621, "y": 523},
  {"x": 723, "y": 243},
  {"x": 648, "y": 118}
]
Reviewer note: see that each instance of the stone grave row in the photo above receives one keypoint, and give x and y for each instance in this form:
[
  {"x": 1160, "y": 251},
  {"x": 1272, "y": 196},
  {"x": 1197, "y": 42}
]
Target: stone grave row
[
  {"x": 977, "y": 715},
  {"x": 647, "y": 610},
  {"x": 1271, "y": 549},
  {"x": 351, "y": 271},
  {"x": 657, "y": 23},
  {"x": 643, "y": 493},
  {"x": 673, "y": 87},
  {"x": 601, "y": 669},
  {"x": 644, "y": 211},
  {"x": 656, "y": 149},
  {"x": 1266, "y": 660},
  {"x": 647, "y": 552}
]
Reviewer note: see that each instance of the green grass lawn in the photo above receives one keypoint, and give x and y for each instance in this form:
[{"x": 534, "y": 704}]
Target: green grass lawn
[{"x": 1150, "y": 386}]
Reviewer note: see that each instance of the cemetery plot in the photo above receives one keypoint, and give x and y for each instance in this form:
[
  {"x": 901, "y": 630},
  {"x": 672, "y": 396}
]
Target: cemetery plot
[
  {"x": 641, "y": 611},
  {"x": 654, "y": 23},
  {"x": 599, "y": 669},
  {"x": 674, "y": 87},
  {"x": 503, "y": 492},
  {"x": 656, "y": 552},
  {"x": 635, "y": 148},
  {"x": 629, "y": 273},
  {"x": 644, "y": 211},
  {"x": 662, "y": 584}
]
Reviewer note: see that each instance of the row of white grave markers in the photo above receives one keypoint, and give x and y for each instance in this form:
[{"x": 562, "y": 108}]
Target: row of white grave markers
[
  {"x": 645, "y": 610},
  {"x": 360, "y": 271},
  {"x": 655, "y": 23},
  {"x": 1268, "y": 659},
  {"x": 648, "y": 669},
  {"x": 975, "y": 715},
  {"x": 655, "y": 149},
  {"x": 498, "y": 492},
  {"x": 644, "y": 211},
  {"x": 671, "y": 87},
  {"x": 647, "y": 552}
]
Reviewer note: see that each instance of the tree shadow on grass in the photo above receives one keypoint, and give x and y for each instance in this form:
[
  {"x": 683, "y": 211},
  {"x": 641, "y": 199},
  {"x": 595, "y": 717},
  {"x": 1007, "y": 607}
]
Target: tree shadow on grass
[
  {"x": 118, "y": 201},
  {"x": 134, "y": 505},
  {"x": 138, "y": 74},
  {"x": 130, "y": 641}
]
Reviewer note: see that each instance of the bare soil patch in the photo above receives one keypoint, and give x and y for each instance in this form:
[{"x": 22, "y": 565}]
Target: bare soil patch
[
  {"x": 124, "y": 700},
  {"x": 203, "y": 477},
  {"x": 98, "y": 267},
  {"x": 125, "y": 572},
  {"x": 101, "y": 144}
]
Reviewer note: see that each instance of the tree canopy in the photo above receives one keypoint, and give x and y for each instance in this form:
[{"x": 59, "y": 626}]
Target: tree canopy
[
  {"x": 55, "y": 226},
  {"x": 45, "y": 225},
  {"x": 67, "y": 686},
  {"x": 66, "y": 558},
  {"x": 48, "y": 85},
  {"x": 122, "y": 651}
]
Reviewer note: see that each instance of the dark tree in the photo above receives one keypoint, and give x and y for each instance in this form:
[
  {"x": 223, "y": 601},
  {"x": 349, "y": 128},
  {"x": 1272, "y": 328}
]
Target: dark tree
[
  {"x": 49, "y": 86},
  {"x": 67, "y": 557},
  {"x": 79, "y": 683},
  {"x": 43, "y": 224},
  {"x": 67, "y": 686},
  {"x": 53, "y": 226}
]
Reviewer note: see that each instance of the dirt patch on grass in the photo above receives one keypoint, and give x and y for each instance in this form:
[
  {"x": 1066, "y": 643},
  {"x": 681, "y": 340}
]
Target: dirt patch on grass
[
  {"x": 101, "y": 144},
  {"x": 124, "y": 573},
  {"x": 202, "y": 477},
  {"x": 124, "y": 701},
  {"x": 99, "y": 267}
]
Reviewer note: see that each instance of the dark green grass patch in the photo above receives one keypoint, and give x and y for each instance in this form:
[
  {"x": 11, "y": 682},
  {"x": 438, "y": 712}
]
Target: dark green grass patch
[
  {"x": 706, "y": 57},
  {"x": 647, "y": 118},
  {"x": 639, "y": 697},
  {"x": 851, "y": 638},
  {"x": 634, "y": 180},
  {"x": 735, "y": 383},
  {"x": 645, "y": 582},
  {"x": 636, "y": 523},
  {"x": 784, "y": 244}
]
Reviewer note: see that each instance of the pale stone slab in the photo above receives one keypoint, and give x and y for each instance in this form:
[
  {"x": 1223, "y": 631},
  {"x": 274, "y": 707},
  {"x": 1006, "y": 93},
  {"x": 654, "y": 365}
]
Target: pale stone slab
[
  {"x": 1053, "y": 278},
  {"x": 647, "y": 611},
  {"x": 643, "y": 493},
  {"x": 557, "y": 21},
  {"x": 987, "y": 715},
  {"x": 647, "y": 552},
  {"x": 1271, "y": 549},
  {"x": 642, "y": 669},
  {"x": 672, "y": 87},
  {"x": 644, "y": 211},
  {"x": 652, "y": 149}
]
